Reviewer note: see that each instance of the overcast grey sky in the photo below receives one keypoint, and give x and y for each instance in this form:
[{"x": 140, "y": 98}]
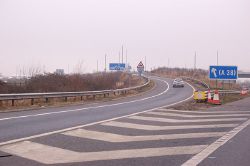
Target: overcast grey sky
[{"x": 61, "y": 33}]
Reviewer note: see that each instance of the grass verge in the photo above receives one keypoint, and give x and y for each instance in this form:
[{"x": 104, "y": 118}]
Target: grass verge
[{"x": 22, "y": 105}]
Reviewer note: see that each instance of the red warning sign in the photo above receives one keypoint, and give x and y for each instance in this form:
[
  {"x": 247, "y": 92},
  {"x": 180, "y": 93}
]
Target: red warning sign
[
  {"x": 140, "y": 65},
  {"x": 140, "y": 68}
]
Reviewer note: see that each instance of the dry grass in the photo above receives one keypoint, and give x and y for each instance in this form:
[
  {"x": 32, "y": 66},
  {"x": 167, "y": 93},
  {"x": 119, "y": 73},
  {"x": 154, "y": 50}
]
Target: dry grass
[
  {"x": 192, "y": 105},
  {"x": 198, "y": 74},
  {"x": 70, "y": 83},
  {"x": 6, "y": 106}
]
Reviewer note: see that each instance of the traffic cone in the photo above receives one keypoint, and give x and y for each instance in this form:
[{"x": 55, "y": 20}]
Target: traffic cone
[
  {"x": 209, "y": 96},
  {"x": 243, "y": 92},
  {"x": 216, "y": 99}
]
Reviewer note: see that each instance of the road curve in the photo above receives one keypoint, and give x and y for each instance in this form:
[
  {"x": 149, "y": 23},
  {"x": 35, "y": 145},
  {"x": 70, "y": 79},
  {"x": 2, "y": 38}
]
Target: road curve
[{"x": 16, "y": 125}]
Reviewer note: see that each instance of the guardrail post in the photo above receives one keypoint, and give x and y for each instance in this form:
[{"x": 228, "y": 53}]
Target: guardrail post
[
  {"x": 32, "y": 101},
  {"x": 65, "y": 99},
  {"x": 46, "y": 96}
]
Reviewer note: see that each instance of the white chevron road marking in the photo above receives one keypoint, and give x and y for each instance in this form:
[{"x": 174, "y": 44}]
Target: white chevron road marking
[
  {"x": 198, "y": 158},
  {"x": 202, "y": 112},
  {"x": 52, "y": 155},
  {"x": 195, "y": 116},
  {"x": 110, "y": 137},
  {"x": 184, "y": 120},
  {"x": 151, "y": 127}
]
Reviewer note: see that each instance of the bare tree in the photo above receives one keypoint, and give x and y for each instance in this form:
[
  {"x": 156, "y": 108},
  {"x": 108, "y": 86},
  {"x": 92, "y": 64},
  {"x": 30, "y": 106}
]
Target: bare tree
[
  {"x": 30, "y": 71},
  {"x": 79, "y": 67}
]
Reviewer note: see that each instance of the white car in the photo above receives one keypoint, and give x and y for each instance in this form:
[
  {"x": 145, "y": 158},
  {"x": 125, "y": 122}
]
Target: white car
[{"x": 178, "y": 82}]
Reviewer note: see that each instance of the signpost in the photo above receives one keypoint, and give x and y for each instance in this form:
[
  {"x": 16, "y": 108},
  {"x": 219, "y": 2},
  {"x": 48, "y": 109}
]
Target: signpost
[
  {"x": 117, "y": 66},
  {"x": 140, "y": 68},
  {"x": 223, "y": 72}
]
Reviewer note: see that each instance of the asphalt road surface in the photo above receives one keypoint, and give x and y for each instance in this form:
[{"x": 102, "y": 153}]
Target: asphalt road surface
[
  {"x": 132, "y": 131},
  {"x": 16, "y": 125}
]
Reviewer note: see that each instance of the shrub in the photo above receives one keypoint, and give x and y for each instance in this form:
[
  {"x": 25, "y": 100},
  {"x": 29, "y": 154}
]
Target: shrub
[{"x": 67, "y": 83}]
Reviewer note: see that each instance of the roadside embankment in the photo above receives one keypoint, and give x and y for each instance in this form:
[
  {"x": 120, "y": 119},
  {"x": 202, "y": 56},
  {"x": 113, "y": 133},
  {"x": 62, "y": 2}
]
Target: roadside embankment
[{"x": 123, "y": 86}]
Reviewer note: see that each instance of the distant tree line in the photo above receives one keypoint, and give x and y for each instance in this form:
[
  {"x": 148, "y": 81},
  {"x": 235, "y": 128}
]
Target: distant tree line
[{"x": 177, "y": 72}]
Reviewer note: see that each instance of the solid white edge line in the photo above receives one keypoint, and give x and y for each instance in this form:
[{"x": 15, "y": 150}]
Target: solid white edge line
[
  {"x": 198, "y": 158},
  {"x": 94, "y": 123}
]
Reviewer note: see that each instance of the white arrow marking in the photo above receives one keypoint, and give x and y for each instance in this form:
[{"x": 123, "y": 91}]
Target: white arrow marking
[{"x": 214, "y": 72}]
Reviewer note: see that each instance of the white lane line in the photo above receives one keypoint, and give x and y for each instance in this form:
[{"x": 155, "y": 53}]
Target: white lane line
[
  {"x": 110, "y": 137},
  {"x": 195, "y": 116},
  {"x": 80, "y": 109},
  {"x": 197, "y": 159},
  {"x": 94, "y": 123},
  {"x": 203, "y": 112},
  {"x": 184, "y": 120},
  {"x": 152, "y": 128},
  {"x": 52, "y": 155}
]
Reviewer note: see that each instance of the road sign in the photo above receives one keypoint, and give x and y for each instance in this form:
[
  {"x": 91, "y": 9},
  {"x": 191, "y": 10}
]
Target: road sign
[
  {"x": 140, "y": 68},
  {"x": 117, "y": 66},
  {"x": 223, "y": 72}
]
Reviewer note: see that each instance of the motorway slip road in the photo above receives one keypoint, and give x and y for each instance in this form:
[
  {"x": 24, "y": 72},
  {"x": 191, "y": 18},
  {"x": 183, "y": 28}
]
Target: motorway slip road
[
  {"x": 156, "y": 137},
  {"x": 16, "y": 125}
]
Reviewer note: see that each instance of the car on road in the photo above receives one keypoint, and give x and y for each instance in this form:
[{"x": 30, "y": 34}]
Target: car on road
[{"x": 178, "y": 82}]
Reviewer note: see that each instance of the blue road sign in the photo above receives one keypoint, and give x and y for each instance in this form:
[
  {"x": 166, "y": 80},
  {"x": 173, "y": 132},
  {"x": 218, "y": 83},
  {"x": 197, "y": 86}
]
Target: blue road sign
[
  {"x": 117, "y": 66},
  {"x": 223, "y": 72}
]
